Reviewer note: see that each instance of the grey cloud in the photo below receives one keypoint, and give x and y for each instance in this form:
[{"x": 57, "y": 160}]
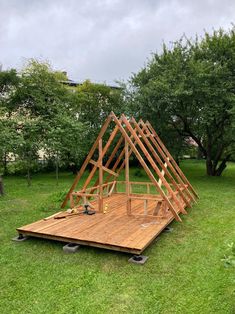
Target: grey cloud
[{"x": 102, "y": 40}]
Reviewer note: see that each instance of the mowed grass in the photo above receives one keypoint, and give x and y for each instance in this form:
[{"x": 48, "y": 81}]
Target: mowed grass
[{"x": 184, "y": 273}]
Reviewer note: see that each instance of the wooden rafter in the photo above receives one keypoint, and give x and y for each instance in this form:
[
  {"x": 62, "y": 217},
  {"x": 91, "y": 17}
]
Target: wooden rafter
[
  {"x": 166, "y": 158},
  {"x": 100, "y": 165},
  {"x": 127, "y": 177},
  {"x": 164, "y": 168},
  {"x": 177, "y": 168}
]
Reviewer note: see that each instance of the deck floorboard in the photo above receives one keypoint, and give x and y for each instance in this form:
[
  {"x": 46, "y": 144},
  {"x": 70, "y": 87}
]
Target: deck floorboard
[{"x": 113, "y": 230}]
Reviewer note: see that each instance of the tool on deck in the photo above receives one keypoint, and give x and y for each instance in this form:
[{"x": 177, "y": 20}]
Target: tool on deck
[{"x": 87, "y": 211}]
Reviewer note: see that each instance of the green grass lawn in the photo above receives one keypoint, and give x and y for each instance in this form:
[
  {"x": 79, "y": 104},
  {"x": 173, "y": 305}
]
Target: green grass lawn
[{"x": 184, "y": 273}]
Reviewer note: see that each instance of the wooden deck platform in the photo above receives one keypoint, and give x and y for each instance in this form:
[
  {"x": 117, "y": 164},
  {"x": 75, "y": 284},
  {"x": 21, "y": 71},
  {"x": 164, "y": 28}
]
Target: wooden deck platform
[{"x": 113, "y": 230}]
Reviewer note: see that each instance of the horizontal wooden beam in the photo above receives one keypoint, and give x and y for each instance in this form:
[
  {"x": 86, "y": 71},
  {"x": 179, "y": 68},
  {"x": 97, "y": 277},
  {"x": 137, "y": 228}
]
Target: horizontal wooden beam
[
  {"x": 137, "y": 182},
  {"x": 135, "y": 197},
  {"x": 84, "y": 194},
  {"x": 97, "y": 186}
]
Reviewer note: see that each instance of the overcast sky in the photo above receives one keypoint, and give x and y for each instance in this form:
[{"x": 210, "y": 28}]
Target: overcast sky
[{"x": 101, "y": 40}]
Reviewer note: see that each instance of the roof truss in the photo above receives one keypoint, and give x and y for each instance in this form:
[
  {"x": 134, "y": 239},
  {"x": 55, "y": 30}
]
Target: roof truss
[{"x": 138, "y": 138}]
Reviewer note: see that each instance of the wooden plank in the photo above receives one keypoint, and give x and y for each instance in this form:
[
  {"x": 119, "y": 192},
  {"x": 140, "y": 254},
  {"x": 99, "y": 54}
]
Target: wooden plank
[
  {"x": 144, "y": 241},
  {"x": 100, "y": 165},
  {"x": 112, "y": 188},
  {"x": 93, "y": 188},
  {"x": 52, "y": 216},
  {"x": 82, "y": 242},
  {"x": 84, "y": 194},
  {"x": 148, "y": 197},
  {"x": 104, "y": 168},
  {"x": 138, "y": 182},
  {"x": 128, "y": 205},
  {"x": 148, "y": 188},
  {"x": 163, "y": 173}
]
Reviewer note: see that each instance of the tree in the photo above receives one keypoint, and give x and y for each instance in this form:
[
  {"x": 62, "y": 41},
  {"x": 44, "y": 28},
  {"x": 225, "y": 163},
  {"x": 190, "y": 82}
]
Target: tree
[
  {"x": 9, "y": 141},
  {"x": 40, "y": 92},
  {"x": 93, "y": 103},
  {"x": 43, "y": 115},
  {"x": 37, "y": 100},
  {"x": 8, "y": 82},
  {"x": 65, "y": 139},
  {"x": 190, "y": 89},
  {"x": 27, "y": 151}
]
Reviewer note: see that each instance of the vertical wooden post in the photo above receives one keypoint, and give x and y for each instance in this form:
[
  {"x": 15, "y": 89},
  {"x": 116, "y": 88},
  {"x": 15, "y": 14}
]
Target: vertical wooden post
[
  {"x": 115, "y": 187},
  {"x": 71, "y": 201},
  {"x": 128, "y": 204},
  {"x": 163, "y": 173},
  {"x": 148, "y": 188},
  {"x": 100, "y": 164}
]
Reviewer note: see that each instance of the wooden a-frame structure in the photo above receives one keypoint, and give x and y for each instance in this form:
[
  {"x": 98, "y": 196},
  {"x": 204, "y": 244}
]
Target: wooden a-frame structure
[
  {"x": 174, "y": 191},
  {"x": 126, "y": 216}
]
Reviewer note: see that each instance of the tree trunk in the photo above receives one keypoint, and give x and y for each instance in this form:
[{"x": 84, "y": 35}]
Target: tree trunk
[
  {"x": 209, "y": 167},
  {"x": 222, "y": 166},
  {"x": 57, "y": 170},
  {"x": 5, "y": 163},
  {"x": 28, "y": 176},
  {"x": 1, "y": 186}
]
